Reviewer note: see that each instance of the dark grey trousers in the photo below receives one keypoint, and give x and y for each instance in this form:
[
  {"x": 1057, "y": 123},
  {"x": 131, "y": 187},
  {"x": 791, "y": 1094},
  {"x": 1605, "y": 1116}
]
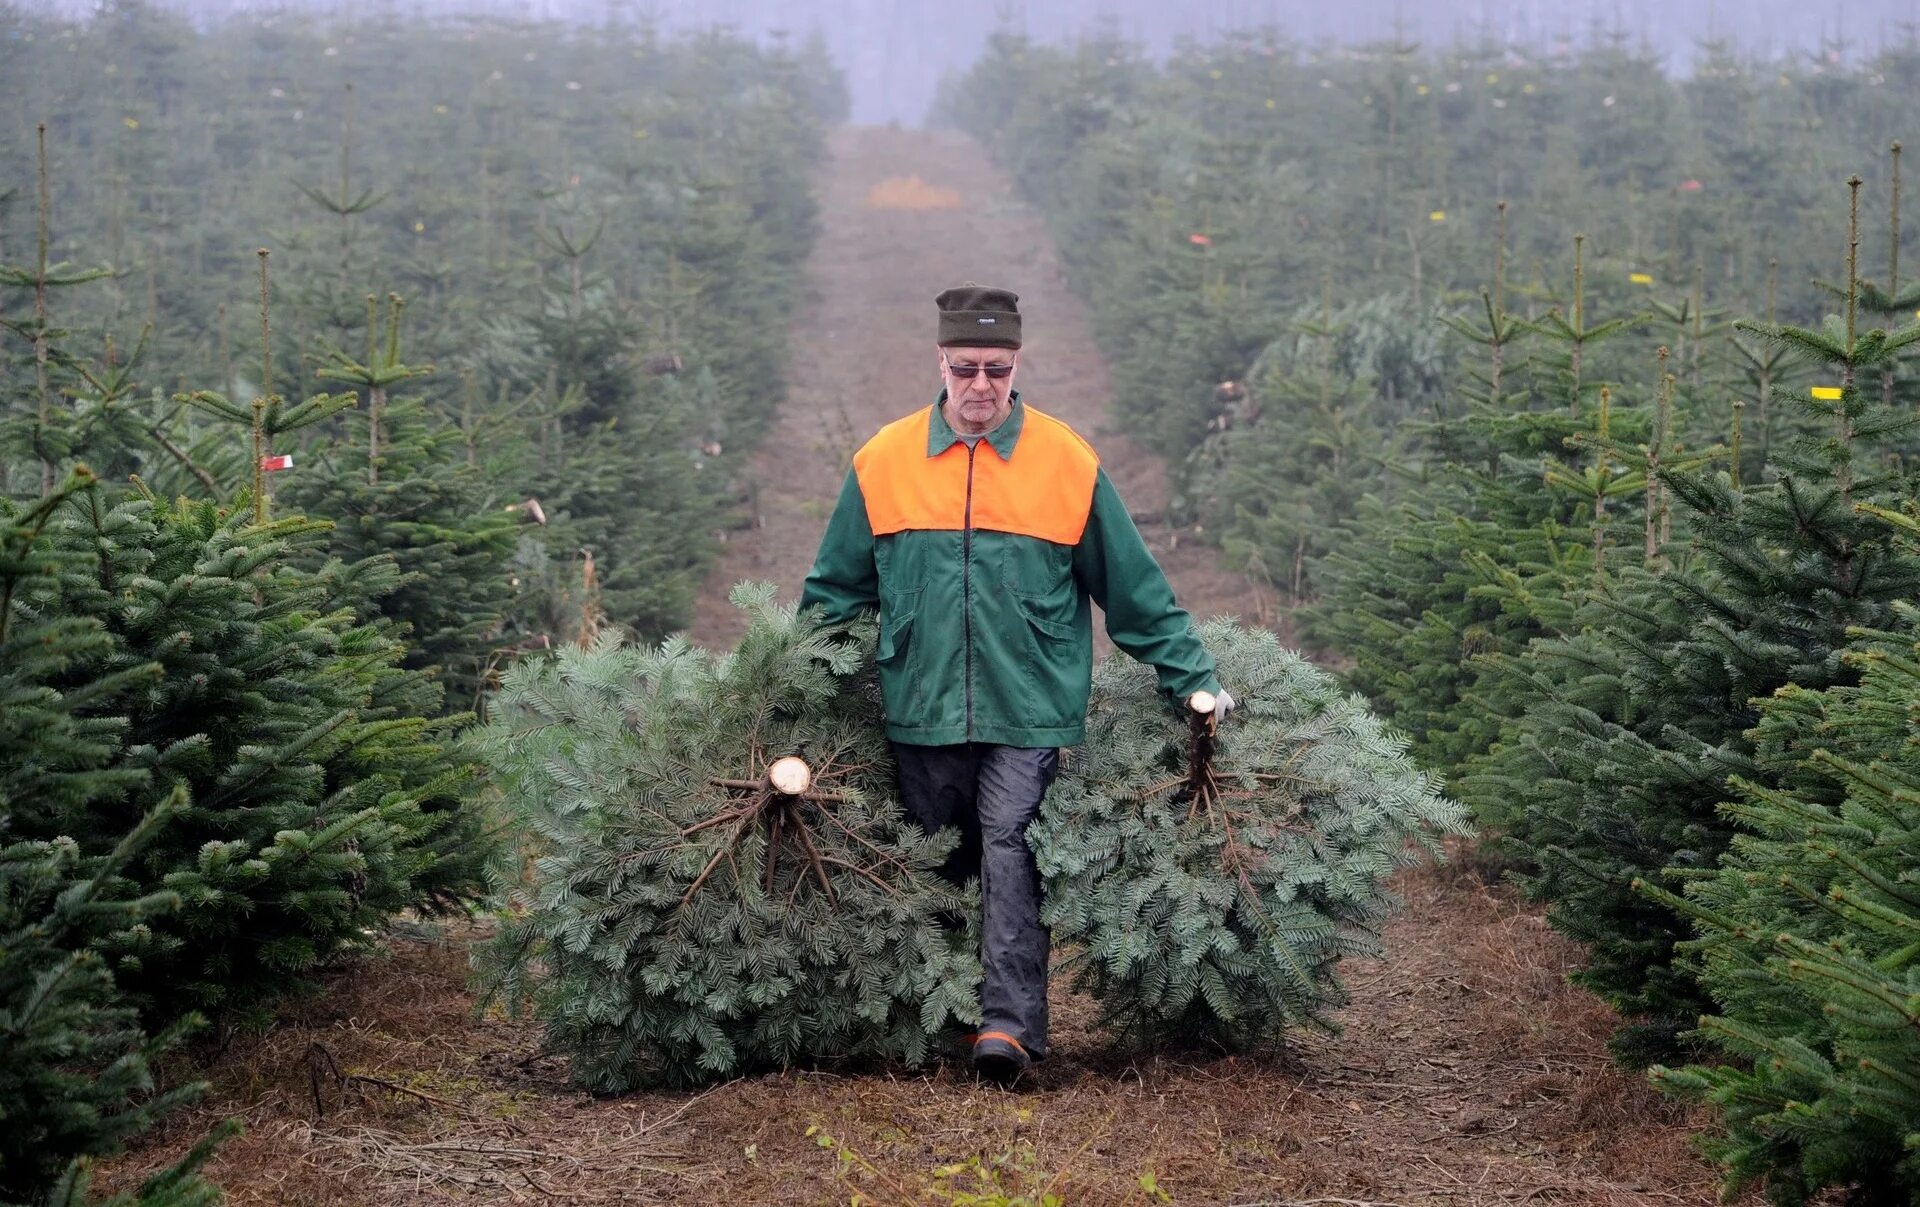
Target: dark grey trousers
[{"x": 991, "y": 793}]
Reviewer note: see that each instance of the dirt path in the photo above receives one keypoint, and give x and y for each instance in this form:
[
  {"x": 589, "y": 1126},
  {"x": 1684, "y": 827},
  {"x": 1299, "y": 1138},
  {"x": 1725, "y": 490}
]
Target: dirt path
[
  {"x": 1469, "y": 1071},
  {"x": 862, "y": 356}
]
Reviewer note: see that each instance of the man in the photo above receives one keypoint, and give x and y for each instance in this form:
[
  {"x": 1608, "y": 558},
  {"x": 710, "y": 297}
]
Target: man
[{"x": 980, "y": 529}]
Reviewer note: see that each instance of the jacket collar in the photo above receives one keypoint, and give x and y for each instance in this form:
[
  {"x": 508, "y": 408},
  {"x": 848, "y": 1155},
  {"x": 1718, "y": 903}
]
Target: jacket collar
[{"x": 941, "y": 436}]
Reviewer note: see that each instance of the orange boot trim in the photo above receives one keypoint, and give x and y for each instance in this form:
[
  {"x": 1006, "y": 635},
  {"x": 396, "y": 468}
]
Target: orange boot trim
[{"x": 1001, "y": 1035}]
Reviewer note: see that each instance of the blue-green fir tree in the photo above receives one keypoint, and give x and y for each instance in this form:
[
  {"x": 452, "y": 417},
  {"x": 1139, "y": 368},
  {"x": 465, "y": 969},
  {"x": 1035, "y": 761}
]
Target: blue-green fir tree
[
  {"x": 679, "y": 917},
  {"x": 1207, "y": 885},
  {"x": 1295, "y": 446}
]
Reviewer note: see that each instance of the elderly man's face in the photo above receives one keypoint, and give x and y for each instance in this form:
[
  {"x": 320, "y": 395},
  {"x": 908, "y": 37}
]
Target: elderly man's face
[{"x": 977, "y": 403}]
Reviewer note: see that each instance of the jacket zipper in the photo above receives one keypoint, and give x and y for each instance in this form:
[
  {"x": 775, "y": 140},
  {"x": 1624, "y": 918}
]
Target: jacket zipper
[{"x": 966, "y": 585}]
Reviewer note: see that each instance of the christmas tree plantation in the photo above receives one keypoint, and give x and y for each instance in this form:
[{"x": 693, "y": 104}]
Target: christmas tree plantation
[
  {"x": 598, "y": 237},
  {"x": 1623, "y": 735},
  {"x": 1210, "y": 885},
  {"x": 681, "y": 917},
  {"x": 1166, "y": 176}
]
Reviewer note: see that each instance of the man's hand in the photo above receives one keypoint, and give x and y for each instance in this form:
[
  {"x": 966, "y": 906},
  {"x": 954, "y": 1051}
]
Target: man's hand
[
  {"x": 1223, "y": 704},
  {"x": 1219, "y": 704}
]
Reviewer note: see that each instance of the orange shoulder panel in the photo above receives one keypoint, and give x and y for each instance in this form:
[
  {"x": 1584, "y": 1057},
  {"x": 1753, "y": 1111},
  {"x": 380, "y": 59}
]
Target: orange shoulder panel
[
  {"x": 1044, "y": 491},
  {"x": 903, "y": 487}
]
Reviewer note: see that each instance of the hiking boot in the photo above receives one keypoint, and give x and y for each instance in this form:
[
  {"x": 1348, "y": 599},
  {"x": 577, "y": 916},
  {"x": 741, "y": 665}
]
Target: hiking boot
[{"x": 999, "y": 1057}]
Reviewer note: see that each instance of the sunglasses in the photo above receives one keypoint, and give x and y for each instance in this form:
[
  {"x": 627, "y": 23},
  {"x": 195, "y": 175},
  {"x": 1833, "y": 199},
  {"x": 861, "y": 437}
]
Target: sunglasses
[{"x": 995, "y": 372}]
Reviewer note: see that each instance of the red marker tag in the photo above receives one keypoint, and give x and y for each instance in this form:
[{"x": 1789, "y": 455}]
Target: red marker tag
[{"x": 276, "y": 462}]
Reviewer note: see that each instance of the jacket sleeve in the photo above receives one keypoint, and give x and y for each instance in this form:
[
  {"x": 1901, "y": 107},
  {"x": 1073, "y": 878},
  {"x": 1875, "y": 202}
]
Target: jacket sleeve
[
  {"x": 843, "y": 580},
  {"x": 1113, "y": 565}
]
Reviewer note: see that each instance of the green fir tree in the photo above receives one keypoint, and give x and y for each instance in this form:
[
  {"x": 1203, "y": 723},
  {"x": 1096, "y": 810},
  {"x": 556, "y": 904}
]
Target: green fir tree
[
  {"x": 1810, "y": 940},
  {"x": 399, "y": 488},
  {"x": 319, "y": 799},
  {"x": 1622, "y": 735},
  {"x": 1492, "y": 536},
  {"x": 76, "y": 1069}
]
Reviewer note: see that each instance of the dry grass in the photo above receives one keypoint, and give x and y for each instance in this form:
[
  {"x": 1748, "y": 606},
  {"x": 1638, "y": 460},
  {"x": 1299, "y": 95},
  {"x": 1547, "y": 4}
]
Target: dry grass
[{"x": 1469, "y": 1072}]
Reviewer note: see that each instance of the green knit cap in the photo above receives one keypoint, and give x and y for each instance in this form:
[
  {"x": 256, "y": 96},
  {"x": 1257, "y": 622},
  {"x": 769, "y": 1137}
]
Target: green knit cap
[{"x": 977, "y": 315}]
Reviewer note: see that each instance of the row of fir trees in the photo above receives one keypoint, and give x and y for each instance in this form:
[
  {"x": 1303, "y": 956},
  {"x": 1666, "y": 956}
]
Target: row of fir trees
[
  {"x": 1619, "y": 526},
  {"x": 340, "y": 363}
]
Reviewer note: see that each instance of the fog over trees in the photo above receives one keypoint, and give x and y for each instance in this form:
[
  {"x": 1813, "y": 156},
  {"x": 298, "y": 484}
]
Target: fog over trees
[{"x": 895, "y": 51}]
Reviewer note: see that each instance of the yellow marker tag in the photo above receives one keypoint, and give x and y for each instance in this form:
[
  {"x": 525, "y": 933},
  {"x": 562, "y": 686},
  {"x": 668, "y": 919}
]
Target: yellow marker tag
[
  {"x": 1527, "y": 88},
  {"x": 1423, "y": 90},
  {"x": 1640, "y": 278},
  {"x": 132, "y": 123},
  {"x": 1493, "y": 77},
  {"x": 1437, "y": 216},
  {"x": 1271, "y": 104},
  {"x": 1826, "y": 393},
  {"x": 1215, "y": 74},
  {"x": 418, "y": 227}
]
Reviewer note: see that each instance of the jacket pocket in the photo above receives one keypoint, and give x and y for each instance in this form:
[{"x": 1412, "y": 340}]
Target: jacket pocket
[
  {"x": 1055, "y": 670},
  {"x": 894, "y": 638},
  {"x": 1033, "y": 567},
  {"x": 1054, "y": 629}
]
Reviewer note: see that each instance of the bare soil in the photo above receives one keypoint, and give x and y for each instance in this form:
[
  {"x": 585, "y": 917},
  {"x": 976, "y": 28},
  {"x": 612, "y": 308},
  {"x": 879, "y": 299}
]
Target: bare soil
[{"x": 1469, "y": 1071}]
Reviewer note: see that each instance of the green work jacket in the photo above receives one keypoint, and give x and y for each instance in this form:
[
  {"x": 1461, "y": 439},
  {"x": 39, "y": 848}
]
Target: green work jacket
[{"x": 982, "y": 561}]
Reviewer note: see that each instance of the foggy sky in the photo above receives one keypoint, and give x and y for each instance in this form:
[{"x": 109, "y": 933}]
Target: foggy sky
[{"x": 895, "y": 51}]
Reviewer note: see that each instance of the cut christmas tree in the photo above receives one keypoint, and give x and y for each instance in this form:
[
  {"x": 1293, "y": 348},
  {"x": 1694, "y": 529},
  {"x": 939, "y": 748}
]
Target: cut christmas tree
[
  {"x": 686, "y": 911},
  {"x": 1210, "y": 882}
]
